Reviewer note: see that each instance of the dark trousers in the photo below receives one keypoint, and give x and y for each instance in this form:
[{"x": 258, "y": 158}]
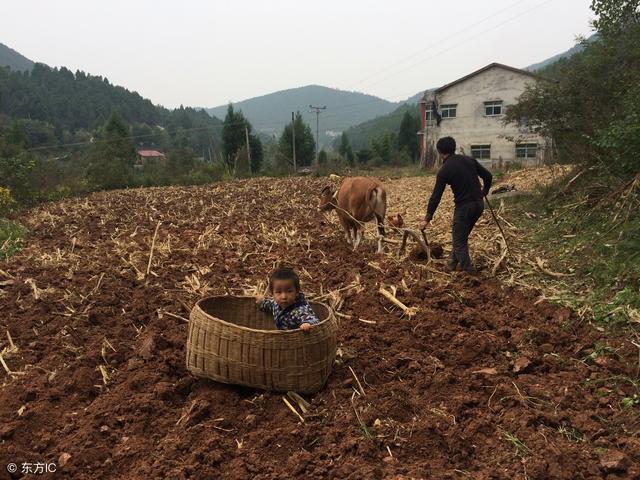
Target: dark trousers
[{"x": 465, "y": 217}]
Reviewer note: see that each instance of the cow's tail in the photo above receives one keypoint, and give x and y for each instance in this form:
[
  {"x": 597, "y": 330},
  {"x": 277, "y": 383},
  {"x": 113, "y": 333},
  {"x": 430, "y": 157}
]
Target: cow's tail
[{"x": 378, "y": 202}]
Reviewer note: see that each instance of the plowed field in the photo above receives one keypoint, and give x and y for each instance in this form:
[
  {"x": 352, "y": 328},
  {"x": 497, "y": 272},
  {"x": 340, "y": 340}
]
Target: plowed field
[{"x": 483, "y": 382}]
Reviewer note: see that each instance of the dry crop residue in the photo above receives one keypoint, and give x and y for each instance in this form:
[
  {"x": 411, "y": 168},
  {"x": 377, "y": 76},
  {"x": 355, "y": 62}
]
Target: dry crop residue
[{"x": 482, "y": 382}]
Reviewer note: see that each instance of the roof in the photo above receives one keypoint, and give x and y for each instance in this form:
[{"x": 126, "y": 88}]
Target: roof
[
  {"x": 491, "y": 65},
  {"x": 150, "y": 153}
]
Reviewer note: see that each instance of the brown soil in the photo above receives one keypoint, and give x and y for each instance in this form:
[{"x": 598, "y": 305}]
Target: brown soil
[{"x": 445, "y": 390}]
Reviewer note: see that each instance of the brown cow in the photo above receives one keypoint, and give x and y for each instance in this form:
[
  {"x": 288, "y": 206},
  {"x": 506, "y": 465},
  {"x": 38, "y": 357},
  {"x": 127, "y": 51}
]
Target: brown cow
[{"x": 358, "y": 200}]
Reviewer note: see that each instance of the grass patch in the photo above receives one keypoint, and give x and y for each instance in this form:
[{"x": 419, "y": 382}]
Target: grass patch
[
  {"x": 521, "y": 449},
  {"x": 11, "y": 238},
  {"x": 590, "y": 227}
]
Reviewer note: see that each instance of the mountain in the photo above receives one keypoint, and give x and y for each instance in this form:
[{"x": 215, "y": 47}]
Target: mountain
[
  {"x": 55, "y": 105},
  {"x": 577, "y": 48},
  {"x": 360, "y": 136},
  {"x": 12, "y": 59},
  {"x": 270, "y": 113}
]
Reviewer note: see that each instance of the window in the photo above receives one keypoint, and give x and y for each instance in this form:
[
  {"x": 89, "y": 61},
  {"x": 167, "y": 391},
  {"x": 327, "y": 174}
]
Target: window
[
  {"x": 492, "y": 109},
  {"x": 429, "y": 114},
  {"x": 526, "y": 150},
  {"x": 481, "y": 152},
  {"x": 449, "y": 111}
]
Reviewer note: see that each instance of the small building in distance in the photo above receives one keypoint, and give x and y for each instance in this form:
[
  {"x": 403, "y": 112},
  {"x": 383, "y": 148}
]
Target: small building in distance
[
  {"x": 145, "y": 157},
  {"x": 471, "y": 109}
]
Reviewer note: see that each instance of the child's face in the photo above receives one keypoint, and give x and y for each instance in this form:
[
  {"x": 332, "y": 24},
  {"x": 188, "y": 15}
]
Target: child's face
[{"x": 284, "y": 292}]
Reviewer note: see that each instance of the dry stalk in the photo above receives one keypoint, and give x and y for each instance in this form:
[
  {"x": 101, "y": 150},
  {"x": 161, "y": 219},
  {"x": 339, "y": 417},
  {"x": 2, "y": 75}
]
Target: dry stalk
[
  {"x": 355, "y": 377},
  {"x": 153, "y": 244},
  {"x": 408, "y": 311},
  {"x": 288, "y": 404}
]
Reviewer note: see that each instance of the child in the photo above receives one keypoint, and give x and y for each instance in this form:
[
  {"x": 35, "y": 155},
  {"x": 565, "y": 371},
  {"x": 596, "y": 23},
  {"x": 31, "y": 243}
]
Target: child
[{"x": 288, "y": 306}]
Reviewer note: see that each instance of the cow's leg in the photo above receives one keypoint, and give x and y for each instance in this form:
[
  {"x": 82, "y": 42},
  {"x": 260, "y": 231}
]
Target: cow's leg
[
  {"x": 358, "y": 237},
  {"x": 381, "y": 233}
]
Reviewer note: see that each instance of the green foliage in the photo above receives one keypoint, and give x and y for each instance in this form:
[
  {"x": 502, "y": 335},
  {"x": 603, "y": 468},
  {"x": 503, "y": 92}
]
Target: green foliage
[
  {"x": 407, "y": 134},
  {"x": 7, "y": 201},
  {"x": 272, "y": 112},
  {"x": 345, "y": 149},
  {"x": 589, "y": 105},
  {"x": 361, "y": 135},
  {"x": 11, "y": 238},
  {"x": 16, "y": 164},
  {"x": 57, "y": 106},
  {"x": 242, "y": 167},
  {"x": 322, "y": 157},
  {"x": 112, "y": 156},
  {"x": 234, "y": 137},
  {"x": 615, "y": 16},
  {"x": 593, "y": 231},
  {"x": 305, "y": 143}
]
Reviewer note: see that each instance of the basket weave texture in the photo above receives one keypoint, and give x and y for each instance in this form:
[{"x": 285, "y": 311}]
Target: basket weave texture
[{"x": 232, "y": 341}]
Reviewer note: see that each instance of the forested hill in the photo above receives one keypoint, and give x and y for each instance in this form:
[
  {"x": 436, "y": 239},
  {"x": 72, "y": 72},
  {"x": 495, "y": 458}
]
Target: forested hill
[
  {"x": 270, "y": 113},
  {"x": 66, "y": 102},
  {"x": 12, "y": 59}
]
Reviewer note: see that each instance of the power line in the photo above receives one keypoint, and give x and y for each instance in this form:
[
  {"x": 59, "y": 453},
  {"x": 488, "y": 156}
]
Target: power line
[
  {"x": 338, "y": 107},
  {"x": 415, "y": 54},
  {"x": 317, "y": 110}
]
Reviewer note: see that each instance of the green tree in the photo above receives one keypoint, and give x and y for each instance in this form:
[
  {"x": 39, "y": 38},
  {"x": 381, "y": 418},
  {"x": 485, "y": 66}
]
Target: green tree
[
  {"x": 305, "y": 143},
  {"x": 615, "y": 16},
  {"x": 234, "y": 138},
  {"x": 590, "y": 106},
  {"x": 407, "y": 135},
  {"x": 112, "y": 156},
  {"x": 322, "y": 157},
  {"x": 345, "y": 148},
  {"x": 383, "y": 147}
]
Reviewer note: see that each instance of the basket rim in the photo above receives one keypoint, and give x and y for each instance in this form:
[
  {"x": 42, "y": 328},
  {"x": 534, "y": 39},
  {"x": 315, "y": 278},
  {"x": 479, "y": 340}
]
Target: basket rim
[{"x": 257, "y": 330}]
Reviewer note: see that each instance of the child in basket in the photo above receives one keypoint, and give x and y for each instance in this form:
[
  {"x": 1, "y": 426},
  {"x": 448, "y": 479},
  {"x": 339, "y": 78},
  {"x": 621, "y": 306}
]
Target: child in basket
[{"x": 288, "y": 306}]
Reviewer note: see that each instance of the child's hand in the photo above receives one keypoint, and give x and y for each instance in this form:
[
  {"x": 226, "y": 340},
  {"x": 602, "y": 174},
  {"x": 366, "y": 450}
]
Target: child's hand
[
  {"x": 305, "y": 326},
  {"x": 259, "y": 298}
]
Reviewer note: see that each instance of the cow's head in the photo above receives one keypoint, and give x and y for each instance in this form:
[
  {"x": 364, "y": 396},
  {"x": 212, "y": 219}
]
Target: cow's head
[{"x": 327, "y": 200}]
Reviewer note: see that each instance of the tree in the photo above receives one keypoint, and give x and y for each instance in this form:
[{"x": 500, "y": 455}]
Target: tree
[
  {"x": 615, "y": 16},
  {"x": 112, "y": 156},
  {"x": 407, "y": 137},
  {"x": 305, "y": 143},
  {"x": 256, "y": 153},
  {"x": 382, "y": 147},
  {"x": 234, "y": 138},
  {"x": 345, "y": 148},
  {"x": 590, "y": 107}
]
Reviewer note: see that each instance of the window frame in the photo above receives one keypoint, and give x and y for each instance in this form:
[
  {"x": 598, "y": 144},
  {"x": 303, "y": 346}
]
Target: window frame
[
  {"x": 493, "y": 104},
  {"x": 445, "y": 110},
  {"x": 483, "y": 147},
  {"x": 526, "y": 148},
  {"x": 428, "y": 114}
]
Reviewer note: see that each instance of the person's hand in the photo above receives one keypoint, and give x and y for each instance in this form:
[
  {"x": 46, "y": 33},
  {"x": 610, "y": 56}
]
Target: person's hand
[
  {"x": 259, "y": 298},
  {"x": 305, "y": 326},
  {"x": 424, "y": 224}
]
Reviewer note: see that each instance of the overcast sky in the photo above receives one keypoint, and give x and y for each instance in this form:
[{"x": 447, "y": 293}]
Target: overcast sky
[{"x": 207, "y": 53}]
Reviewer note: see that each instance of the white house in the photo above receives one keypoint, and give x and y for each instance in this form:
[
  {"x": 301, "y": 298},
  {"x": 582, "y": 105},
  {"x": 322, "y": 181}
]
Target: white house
[{"x": 472, "y": 109}]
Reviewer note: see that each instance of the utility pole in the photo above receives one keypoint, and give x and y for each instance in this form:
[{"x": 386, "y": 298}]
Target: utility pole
[
  {"x": 317, "y": 110},
  {"x": 293, "y": 134},
  {"x": 246, "y": 135}
]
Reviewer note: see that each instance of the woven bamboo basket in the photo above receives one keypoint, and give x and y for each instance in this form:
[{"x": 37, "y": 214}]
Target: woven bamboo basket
[{"x": 232, "y": 341}]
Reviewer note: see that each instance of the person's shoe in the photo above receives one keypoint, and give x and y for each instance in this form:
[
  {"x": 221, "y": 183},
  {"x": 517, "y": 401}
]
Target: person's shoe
[
  {"x": 471, "y": 272},
  {"x": 450, "y": 268}
]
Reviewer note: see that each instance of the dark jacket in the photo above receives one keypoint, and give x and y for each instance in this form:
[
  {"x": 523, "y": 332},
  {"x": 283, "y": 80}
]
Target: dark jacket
[
  {"x": 293, "y": 316},
  {"x": 461, "y": 173}
]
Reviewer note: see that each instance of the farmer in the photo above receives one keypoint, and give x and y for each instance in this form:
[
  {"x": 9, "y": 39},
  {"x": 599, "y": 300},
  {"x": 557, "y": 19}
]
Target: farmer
[
  {"x": 461, "y": 172},
  {"x": 288, "y": 306}
]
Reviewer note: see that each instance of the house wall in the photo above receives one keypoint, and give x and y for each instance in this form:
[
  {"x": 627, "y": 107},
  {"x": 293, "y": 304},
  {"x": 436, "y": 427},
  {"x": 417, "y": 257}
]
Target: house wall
[{"x": 472, "y": 127}]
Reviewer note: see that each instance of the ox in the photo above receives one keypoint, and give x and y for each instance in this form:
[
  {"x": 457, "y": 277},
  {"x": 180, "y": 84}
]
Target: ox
[{"x": 357, "y": 200}]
